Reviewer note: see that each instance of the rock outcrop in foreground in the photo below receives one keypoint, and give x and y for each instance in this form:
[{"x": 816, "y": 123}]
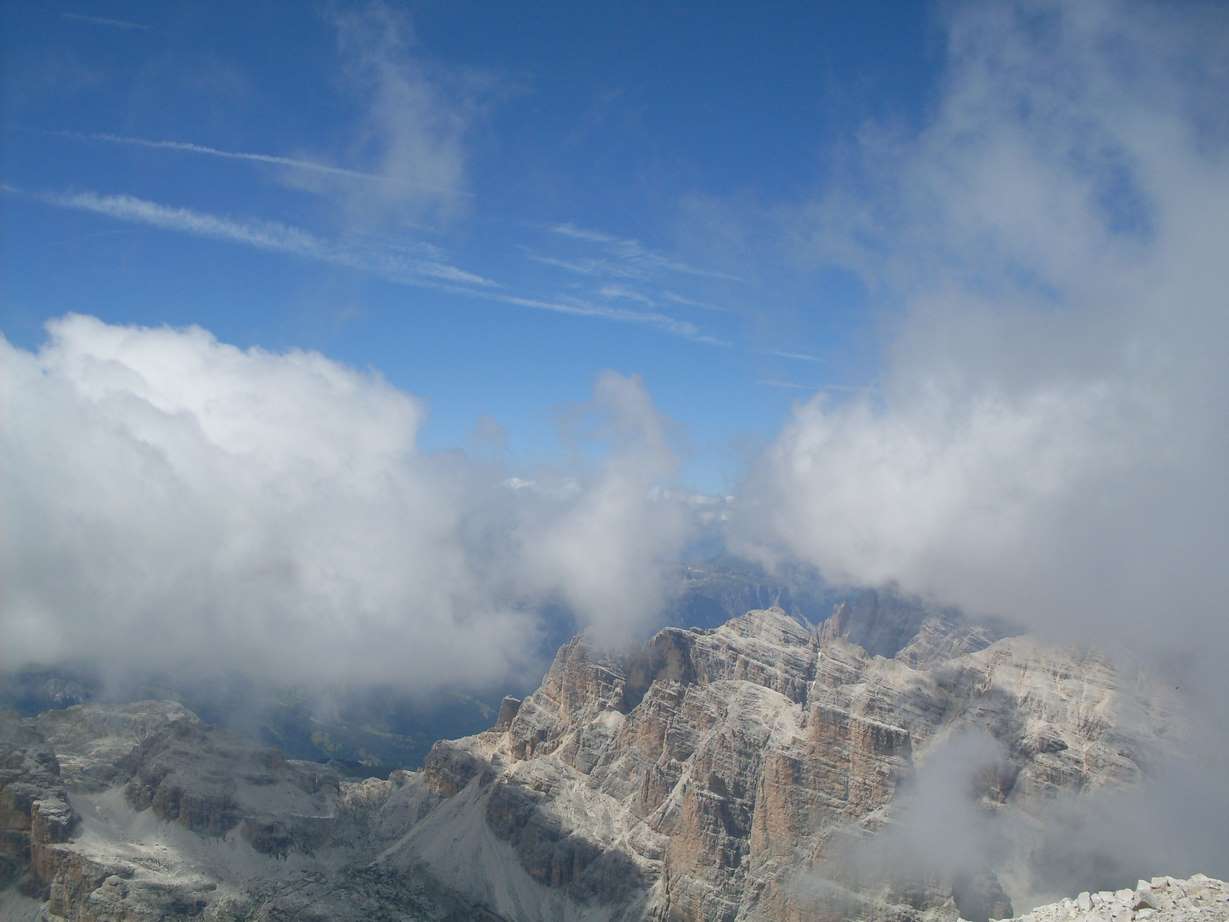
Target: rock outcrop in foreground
[
  {"x": 718, "y": 775},
  {"x": 1161, "y": 899}
]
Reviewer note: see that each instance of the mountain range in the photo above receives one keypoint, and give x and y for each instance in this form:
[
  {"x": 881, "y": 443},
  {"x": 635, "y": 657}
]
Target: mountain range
[{"x": 761, "y": 769}]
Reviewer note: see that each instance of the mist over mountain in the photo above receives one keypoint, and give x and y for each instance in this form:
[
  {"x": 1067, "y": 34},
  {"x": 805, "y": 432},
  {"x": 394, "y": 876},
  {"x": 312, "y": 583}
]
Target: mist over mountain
[
  {"x": 369, "y": 728},
  {"x": 460, "y": 461},
  {"x": 762, "y": 769}
]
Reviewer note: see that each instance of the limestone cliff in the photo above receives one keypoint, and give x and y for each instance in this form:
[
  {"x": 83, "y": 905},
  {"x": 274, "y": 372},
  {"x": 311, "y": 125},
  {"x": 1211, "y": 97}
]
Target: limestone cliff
[
  {"x": 722, "y": 775},
  {"x": 728, "y": 764}
]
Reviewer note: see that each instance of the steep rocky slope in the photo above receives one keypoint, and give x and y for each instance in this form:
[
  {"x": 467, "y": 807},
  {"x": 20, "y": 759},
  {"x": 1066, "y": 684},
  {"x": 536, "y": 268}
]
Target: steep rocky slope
[
  {"x": 734, "y": 767},
  {"x": 722, "y": 774},
  {"x": 149, "y": 814}
]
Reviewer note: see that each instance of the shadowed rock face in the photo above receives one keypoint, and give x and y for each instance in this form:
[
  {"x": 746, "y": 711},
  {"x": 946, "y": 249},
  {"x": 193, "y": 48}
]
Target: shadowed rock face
[
  {"x": 199, "y": 825},
  {"x": 721, "y": 774},
  {"x": 91, "y": 740},
  {"x": 34, "y": 809},
  {"x": 212, "y": 783}
]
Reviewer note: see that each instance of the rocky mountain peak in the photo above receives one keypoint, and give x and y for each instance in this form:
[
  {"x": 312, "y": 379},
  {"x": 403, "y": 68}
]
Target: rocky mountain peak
[{"x": 715, "y": 774}]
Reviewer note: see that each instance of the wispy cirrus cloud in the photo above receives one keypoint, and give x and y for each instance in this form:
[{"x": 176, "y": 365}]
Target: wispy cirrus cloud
[
  {"x": 417, "y": 266},
  {"x": 188, "y": 147},
  {"x": 272, "y": 236},
  {"x": 413, "y": 118},
  {"x": 623, "y": 293},
  {"x": 265, "y": 235},
  {"x": 587, "y": 266},
  {"x": 624, "y": 270},
  {"x": 407, "y": 136},
  {"x": 675, "y": 298},
  {"x": 578, "y": 308},
  {"x": 106, "y": 21},
  {"x": 815, "y": 388},
  {"x": 628, "y": 252},
  {"x": 786, "y": 385},
  {"x": 793, "y": 356},
  {"x": 568, "y": 229},
  {"x": 612, "y": 291}
]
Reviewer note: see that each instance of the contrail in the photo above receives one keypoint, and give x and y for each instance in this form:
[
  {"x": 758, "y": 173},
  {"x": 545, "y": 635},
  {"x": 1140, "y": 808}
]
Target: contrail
[
  {"x": 190, "y": 148},
  {"x": 105, "y": 21},
  {"x": 285, "y": 238}
]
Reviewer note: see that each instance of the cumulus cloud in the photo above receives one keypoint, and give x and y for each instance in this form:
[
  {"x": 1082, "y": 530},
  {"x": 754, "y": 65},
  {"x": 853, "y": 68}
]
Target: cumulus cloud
[
  {"x": 1048, "y": 439},
  {"x": 173, "y": 502}
]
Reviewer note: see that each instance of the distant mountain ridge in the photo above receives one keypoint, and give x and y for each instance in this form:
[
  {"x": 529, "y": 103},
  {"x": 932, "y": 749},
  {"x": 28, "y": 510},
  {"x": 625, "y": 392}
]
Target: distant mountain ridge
[{"x": 726, "y": 773}]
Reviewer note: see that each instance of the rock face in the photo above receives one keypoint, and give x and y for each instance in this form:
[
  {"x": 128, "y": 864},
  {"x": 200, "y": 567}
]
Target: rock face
[
  {"x": 732, "y": 768},
  {"x": 722, "y": 775},
  {"x": 91, "y": 740},
  {"x": 34, "y": 809},
  {"x": 155, "y": 816},
  {"x": 1161, "y": 899}
]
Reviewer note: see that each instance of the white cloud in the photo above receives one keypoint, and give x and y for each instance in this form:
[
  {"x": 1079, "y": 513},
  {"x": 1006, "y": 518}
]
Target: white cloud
[
  {"x": 171, "y": 501},
  {"x": 609, "y": 552},
  {"x": 1049, "y": 438}
]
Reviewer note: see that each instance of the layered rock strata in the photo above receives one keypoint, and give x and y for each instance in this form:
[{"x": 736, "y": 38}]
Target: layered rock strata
[
  {"x": 732, "y": 768},
  {"x": 723, "y": 775}
]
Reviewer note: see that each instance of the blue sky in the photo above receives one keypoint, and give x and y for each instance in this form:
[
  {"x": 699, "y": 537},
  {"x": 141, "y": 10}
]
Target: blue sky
[
  {"x": 488, "y": 204},
  {"x": 990, "y": 235}
]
